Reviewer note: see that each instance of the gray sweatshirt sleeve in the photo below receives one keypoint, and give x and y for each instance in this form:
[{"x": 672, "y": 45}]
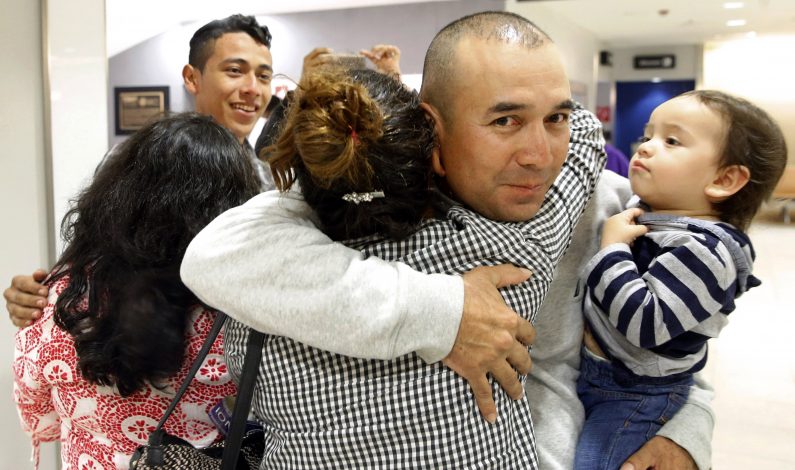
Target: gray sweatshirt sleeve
[
  {"x": 267, "y": 265},
  {"x": 691, "y": 427}
]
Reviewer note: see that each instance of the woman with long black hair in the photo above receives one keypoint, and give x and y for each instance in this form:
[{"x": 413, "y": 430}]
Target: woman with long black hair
[{"x": 99, "y": 368}]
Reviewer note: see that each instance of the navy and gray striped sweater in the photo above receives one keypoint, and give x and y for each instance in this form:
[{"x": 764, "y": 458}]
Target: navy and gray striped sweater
[{"x": 653, "y": 307}]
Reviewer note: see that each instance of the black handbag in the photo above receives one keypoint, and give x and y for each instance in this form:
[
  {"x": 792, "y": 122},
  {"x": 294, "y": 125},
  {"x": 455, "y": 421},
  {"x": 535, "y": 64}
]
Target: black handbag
[{"x": 241, "y": 450}]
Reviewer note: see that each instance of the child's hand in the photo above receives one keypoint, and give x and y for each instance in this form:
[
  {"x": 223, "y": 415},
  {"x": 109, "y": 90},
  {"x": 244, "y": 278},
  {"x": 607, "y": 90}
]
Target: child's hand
[{"x": 621, "y": 228}]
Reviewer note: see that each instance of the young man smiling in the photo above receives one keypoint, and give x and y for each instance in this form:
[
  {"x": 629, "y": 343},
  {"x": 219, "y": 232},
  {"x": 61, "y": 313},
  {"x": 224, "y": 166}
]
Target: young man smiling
[{"x": 229, "y": 72}]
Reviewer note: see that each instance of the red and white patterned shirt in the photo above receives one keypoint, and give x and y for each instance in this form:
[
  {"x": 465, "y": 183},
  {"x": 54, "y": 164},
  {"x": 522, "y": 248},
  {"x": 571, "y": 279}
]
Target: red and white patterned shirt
[{"x": 98, "y": 428}]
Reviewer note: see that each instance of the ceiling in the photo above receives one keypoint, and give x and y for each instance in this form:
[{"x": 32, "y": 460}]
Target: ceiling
[
  {"x": 615, "y": 22},
  {"x": 131, "y": 22},
  {"x": 652, "y": 22}
]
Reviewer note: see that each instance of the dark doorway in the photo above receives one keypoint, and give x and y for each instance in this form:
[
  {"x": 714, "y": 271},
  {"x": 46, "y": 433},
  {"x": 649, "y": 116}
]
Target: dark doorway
[{"x": 634, "y": 103}]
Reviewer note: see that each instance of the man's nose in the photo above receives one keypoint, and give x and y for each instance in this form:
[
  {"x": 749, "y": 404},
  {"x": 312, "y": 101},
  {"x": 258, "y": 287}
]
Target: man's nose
[
  {"x": 536, "y": 149},
  {"x": 250, "y": 85}
]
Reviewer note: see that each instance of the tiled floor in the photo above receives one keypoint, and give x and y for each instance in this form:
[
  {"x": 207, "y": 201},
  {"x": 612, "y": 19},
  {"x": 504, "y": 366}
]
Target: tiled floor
[{"x": 752, "y": 364}]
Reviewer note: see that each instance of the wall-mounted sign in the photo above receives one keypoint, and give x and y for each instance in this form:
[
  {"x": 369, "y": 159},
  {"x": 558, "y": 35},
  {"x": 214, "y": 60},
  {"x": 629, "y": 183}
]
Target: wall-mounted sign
[
  {"x": 662, "y": 61},
  {"x": 135, "y": 106}
]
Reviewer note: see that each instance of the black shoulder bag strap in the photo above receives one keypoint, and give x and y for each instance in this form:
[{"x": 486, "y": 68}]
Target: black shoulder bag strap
[{"x": 245, "y": 392}]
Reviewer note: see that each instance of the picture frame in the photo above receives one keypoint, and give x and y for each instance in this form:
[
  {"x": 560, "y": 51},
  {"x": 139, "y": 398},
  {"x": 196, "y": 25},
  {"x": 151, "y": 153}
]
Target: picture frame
[{"x": 136, "y": 106}]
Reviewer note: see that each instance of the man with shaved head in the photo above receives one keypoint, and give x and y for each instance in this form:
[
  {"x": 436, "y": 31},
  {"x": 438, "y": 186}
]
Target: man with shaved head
[{"x": 495, "y": 88}]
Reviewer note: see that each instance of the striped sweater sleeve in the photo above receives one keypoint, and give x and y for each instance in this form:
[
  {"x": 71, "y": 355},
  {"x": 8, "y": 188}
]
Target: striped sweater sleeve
[{"x": 691, "y": 280}]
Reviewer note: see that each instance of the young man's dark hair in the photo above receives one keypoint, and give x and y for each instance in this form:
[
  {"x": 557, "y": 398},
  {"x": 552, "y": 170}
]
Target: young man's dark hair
[{"x": 203, "y": 40}]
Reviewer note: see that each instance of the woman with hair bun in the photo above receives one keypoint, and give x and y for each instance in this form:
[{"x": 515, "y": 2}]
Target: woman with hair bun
[
  {"x": 350, "y": 137},
  {"x": 119, "y": 334}
]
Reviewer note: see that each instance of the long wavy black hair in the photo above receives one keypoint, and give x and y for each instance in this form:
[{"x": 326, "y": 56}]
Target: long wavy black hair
[{"x": 126, "y": 234}]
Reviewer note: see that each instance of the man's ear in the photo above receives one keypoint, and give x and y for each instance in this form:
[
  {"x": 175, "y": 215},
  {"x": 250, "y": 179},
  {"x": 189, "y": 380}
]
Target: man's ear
[
  {"x": 190, "y": 76},
  {"x": 438, "y": 131},
  {"x": 728, "y": 181}
]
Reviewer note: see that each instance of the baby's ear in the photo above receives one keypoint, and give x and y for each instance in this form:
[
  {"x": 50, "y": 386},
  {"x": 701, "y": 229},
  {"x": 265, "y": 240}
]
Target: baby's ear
[{"x": 728, "y": 180}]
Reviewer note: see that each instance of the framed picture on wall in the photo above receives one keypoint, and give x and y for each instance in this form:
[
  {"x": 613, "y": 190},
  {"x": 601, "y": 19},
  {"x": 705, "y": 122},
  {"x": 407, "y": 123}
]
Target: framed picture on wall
[{"x": 135, "y": 106}]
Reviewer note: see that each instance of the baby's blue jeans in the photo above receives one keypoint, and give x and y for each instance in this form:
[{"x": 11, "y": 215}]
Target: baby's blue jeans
[{"x": 622, "y": 411}]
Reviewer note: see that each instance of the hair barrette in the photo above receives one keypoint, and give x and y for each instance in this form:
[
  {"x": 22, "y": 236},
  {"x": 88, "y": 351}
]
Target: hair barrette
[{"x": 356, "y": 198}]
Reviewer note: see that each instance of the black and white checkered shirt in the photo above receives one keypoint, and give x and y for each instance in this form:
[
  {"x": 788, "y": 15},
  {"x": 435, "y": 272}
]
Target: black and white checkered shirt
[{"x": 323, "y": 410}]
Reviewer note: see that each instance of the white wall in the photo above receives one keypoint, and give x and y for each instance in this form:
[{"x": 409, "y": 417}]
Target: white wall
[
  {"x": 51, "y": 142},
  {"x": 579, "y": 47},
  {"x": 23, "y": 240},
  {"x": 155, "y": 62},
  {"x": 78, "y": 83},
  {"x": 760, "y": 69},
  {"x": 411, "y": 27}
]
